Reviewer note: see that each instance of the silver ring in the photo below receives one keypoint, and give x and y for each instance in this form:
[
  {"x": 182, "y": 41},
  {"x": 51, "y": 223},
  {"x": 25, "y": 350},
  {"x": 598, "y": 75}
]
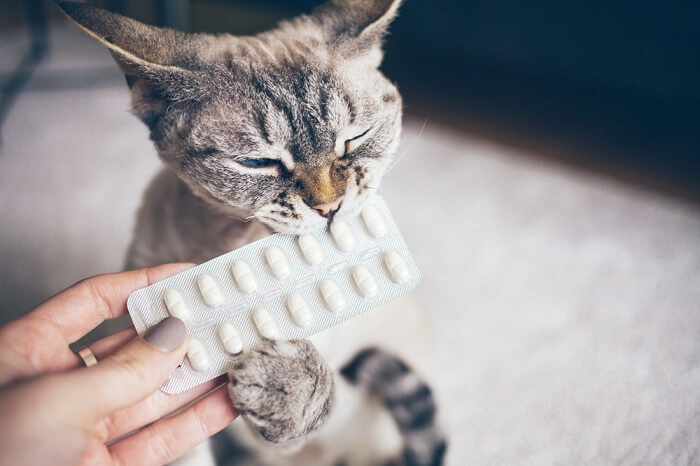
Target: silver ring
[{"x": 87, "y": 356}]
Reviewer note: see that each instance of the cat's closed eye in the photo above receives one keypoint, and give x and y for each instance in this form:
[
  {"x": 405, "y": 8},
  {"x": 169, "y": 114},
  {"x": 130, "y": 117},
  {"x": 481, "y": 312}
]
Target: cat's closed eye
[
  {"x": 353, "y": 143},
  {"x": 258, "y": 163}
]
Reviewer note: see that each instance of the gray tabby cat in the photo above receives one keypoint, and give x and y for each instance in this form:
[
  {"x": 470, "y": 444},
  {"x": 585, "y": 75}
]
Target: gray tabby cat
[{"x": 282, "y": 131}]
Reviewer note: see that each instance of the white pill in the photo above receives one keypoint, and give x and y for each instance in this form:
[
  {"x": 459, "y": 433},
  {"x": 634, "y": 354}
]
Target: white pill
[
  {"x": 365, "y": 282},
  {"x": 177, "y": 307},
  {"x": 230, "y": 338},
  {"x": 332, "y": 296},
  {"x": 396, "y": 266},
  {"x": 342, "y": 236},
  {"x": 374, "y": 221},
  {"x": 310, "y": 249},
  {"x": 277, "y": 262},
  {"x": 301, "y": 314},
  {"x": 197, "y": 355},
  {"x": 210, "y": 291},
  {"x": 266, "y": 324},
  {"x": 244, "y": 277}
]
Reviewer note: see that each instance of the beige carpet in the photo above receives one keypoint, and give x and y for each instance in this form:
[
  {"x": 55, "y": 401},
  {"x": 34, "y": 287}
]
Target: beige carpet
[{"x": 566, "y": 305}]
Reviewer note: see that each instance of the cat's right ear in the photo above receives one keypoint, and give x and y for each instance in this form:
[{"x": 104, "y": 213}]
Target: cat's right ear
[
  {"x": 151, "y": 58},
  {"x": 357, "y": 27}
]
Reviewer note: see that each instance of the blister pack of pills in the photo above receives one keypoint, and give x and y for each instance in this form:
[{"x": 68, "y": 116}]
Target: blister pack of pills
[{"x": 280, "y": 287}]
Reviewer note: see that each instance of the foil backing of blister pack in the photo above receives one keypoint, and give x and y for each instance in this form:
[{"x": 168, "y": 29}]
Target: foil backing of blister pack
[{"x": 146, "y": 306}]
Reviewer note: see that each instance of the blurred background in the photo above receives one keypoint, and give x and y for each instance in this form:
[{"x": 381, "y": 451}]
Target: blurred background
[{"x": 557, "y": 146}]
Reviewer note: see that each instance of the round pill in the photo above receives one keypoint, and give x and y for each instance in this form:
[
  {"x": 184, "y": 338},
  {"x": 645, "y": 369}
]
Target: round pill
[
  {"x": 209, "y": 289},
  {"x": 277, "y": 262},
  {"x": 176, "y": 305},
  {"x": 230, "y": 338},
  {"x": 365, "y": 282},
  {"x": 301, "y": 314},
  {"x": 374, "y": 221},
  {"x": 396, "y": 266},
  {"x": 197, "y": 355},
  {"x": 332, "y": 296},
  {"x": 243, "y": 275},
  {"x": 343, "y": 236},
  {"x": 265, "y": 323},
  {"x": 310, "y": 249}
]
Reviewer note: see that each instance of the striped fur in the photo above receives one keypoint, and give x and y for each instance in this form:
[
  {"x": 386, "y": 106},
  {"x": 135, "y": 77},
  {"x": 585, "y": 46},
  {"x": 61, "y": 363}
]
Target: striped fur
[
  {"x": 407, "y": 397},
  {"x": 309, "y": 97}
]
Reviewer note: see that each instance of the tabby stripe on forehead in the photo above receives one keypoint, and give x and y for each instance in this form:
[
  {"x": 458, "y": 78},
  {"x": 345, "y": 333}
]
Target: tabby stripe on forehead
[
  {"x": 351, "y": 107},
  {"x": 262, "y": 123}
]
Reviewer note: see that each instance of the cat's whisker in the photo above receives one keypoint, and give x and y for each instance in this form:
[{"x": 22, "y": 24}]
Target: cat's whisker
[{"x": 408, "y": 146}]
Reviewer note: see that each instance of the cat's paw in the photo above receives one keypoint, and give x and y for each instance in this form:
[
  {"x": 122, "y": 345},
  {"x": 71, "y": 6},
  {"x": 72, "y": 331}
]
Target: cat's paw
[{"x": 284, "y": 390}]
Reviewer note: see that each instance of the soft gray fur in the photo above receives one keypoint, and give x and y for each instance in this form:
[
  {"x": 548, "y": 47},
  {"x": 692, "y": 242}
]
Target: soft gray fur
[
  {"x": 289, "y": 405},
  {"x": 307, "y": 104},
  {"x": 296, "y": 94}
]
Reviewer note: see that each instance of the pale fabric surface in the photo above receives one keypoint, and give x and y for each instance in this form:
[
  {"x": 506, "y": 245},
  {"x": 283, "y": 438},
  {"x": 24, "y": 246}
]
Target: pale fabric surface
[{"x": 566, "y": 306}]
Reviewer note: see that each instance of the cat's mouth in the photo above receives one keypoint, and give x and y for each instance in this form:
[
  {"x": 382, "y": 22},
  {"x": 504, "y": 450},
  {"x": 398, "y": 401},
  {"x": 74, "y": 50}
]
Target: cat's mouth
[
  {"x": 331, "y": 215},
  {"x": 308, "y": 219}
]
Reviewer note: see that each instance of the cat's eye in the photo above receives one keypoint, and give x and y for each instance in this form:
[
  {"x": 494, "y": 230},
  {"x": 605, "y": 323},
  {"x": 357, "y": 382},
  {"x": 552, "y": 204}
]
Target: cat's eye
[
  {"x": 258, "y": 163},
  {"x": 353, "y": 143}
]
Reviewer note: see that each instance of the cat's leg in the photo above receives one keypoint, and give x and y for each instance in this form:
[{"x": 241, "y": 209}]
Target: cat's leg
[{"x": 285, "y": 391}]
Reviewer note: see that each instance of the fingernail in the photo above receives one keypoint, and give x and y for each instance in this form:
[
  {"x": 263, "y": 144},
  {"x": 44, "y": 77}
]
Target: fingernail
[{"x": 167, "y": 334}]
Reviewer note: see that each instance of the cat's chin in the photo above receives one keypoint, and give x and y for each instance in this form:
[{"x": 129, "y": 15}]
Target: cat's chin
[{"x": 304, "y": 226}]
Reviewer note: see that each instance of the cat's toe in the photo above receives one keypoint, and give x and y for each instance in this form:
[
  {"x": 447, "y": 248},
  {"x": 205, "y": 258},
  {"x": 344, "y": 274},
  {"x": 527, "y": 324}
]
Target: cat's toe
[{"x": 284, "y": 390}]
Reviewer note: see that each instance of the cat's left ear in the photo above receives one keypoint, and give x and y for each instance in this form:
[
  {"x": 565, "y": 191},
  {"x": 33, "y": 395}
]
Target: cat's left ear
[
  {"x": 357, "y": 27},
  {"x": 159, "y": 64}
]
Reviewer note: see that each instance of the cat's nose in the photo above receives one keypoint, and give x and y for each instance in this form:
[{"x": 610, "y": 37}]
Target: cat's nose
[{"x": 329, "y": 208}]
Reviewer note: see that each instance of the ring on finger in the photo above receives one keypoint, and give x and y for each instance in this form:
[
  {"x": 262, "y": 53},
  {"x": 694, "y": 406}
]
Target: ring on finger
[{"x": 87, "y": 356}]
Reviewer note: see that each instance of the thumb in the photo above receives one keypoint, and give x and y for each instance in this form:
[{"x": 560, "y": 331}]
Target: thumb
[{"x": 133, "y": 373}]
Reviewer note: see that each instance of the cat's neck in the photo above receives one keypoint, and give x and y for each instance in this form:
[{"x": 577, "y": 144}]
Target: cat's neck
[{"x": 207, "y": 229}]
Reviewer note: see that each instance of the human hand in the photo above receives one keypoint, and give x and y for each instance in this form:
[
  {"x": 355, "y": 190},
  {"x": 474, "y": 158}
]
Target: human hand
[{"x": 56, "y": 411}]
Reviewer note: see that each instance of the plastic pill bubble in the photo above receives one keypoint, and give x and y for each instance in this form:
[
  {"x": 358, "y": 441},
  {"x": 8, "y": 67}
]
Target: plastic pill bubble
[
  {"x": 209, "y": 289},
  {"x": 299, "y": 310},
  {"x": 365, "y": 282},
  {"x": 197, "y": 355},
  {"x": 243, "y": 276},
  {"x": 332, "y": 296},
  {"x": 343, "y": 236},
  {"x": 265, "y": 324},
  {"x": 230, "y": 338},
  {"x": 396, "y": 266},
  {"x": 373, "y": 220},
  {"x": 310, "y": 249},
  {"x": 176, "y": 305},
  {"x": 277, "y": 262}
]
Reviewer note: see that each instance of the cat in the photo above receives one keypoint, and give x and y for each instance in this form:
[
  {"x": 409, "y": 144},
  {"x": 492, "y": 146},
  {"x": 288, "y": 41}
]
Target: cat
[{"x": 283, "y": 131}]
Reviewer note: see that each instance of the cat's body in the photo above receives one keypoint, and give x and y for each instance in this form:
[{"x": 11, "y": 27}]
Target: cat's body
[
  {"x": 283, "y": 131},
  {"x": 175, "y": 225}
]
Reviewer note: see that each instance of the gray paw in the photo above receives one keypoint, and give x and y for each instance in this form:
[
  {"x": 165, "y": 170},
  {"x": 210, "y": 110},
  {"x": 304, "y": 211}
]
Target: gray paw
[{"x": 284, "y": 390}]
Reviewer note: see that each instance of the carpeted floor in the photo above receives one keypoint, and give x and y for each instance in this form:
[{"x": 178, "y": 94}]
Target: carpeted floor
[{"x": 566, "y": 305}]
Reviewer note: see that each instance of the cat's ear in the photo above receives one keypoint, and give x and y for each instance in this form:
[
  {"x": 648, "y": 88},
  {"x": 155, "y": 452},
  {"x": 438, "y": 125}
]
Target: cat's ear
[
  {"x": 154, "y": 60},
  {"x": 357, "y": 27}
]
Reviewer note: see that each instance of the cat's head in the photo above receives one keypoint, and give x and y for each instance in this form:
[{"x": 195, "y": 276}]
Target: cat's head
[{"x": 291, "y": 126}]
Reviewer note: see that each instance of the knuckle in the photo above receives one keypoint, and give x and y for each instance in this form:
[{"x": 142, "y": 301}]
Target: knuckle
[
  {"x": 131, "y": 366},
  {"x": 162, "y": 446},
  {"x": 105, "y": 428}
]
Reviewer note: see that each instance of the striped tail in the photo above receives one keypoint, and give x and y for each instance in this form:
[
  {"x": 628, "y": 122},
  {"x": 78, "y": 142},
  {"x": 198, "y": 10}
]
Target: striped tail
[{"x": 407, "y": 397}]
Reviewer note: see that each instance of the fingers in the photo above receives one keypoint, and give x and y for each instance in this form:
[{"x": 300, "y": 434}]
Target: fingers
[
  {"x": 38, "y": 342},
  {"x": 170, "y": 438},
  {"x": 131, "y": 374},
  {"x": 151, "y": 409},
  {"x": 88, "y": 303},
  {"x": 109, "y": 345}
]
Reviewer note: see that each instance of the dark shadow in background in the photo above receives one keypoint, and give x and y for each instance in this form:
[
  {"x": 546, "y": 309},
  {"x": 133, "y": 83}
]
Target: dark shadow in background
[{"x": 610, "y": 87}]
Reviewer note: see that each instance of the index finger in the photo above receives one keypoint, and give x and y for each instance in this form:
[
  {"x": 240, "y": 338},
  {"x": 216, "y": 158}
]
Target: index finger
[{"x": 82, "y": 307}]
